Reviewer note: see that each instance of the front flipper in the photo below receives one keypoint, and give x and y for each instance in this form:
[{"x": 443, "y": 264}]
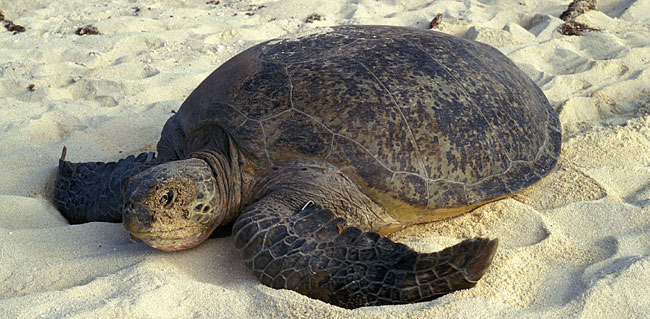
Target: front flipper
[
  {"x": 318, "y": 255},
  {"x": 92, "y": 191}
]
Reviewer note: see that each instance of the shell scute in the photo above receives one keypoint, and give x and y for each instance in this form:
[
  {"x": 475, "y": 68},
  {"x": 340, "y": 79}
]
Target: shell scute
[{"x": 422, "y": 121}]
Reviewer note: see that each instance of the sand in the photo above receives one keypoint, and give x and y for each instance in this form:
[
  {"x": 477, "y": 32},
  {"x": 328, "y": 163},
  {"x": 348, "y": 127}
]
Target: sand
[{"x": 577, "y": 245}]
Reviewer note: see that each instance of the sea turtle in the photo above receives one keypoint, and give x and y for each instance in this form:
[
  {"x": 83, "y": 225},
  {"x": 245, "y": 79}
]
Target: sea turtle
[{"x": 316, "y": 146}]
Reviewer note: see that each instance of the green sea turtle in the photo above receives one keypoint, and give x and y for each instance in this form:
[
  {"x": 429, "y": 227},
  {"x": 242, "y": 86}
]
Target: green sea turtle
[{"x": 314, "y": 147}]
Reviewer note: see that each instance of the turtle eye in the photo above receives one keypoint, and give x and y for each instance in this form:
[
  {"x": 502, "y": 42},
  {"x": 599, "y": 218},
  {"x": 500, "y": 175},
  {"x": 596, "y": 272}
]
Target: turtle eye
[{"x": 167, "y": 199}]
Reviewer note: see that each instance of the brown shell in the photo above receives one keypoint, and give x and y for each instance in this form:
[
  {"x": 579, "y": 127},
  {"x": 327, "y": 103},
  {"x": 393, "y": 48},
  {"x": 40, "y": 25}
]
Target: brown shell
[{"x": 425, "y": 122}]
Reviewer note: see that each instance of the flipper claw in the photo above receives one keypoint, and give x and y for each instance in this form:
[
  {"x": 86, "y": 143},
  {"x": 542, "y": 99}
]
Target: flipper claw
[
  {"x": 307, "y": 205},
  {"x": 63, "y": 152}
]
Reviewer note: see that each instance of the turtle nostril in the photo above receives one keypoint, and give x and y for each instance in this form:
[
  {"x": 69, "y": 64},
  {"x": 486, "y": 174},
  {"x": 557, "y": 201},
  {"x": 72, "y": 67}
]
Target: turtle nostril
[{"x": 198, "y": 207}]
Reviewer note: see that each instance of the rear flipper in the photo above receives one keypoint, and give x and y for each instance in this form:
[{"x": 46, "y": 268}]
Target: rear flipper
[
  {"x": 92, "y": 191},
  {"x": 318, "y": 255}
]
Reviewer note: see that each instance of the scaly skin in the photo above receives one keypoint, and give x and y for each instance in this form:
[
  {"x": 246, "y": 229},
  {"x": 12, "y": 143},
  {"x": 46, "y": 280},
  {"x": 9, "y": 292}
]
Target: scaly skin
[
  {"x": 92, "y": 191},
  {"x": 320, "y": 256}
]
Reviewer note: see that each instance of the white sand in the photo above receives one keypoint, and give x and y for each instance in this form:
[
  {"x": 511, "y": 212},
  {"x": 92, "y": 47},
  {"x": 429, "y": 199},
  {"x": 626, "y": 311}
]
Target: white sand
[{"x": 575, "y": 245}]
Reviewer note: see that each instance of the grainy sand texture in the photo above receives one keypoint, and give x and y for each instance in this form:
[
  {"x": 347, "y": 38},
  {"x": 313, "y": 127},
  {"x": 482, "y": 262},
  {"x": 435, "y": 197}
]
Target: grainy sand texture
[{"x": 576, "y": 245}]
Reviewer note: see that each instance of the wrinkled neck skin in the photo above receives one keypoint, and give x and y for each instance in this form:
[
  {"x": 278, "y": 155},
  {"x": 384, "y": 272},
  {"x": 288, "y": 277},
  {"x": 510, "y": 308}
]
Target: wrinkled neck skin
[{"x": 232, "y": 173}]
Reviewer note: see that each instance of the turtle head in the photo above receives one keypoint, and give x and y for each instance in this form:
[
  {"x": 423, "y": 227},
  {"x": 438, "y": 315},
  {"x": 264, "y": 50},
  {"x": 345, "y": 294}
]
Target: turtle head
[{"x": 172, "y": 206}]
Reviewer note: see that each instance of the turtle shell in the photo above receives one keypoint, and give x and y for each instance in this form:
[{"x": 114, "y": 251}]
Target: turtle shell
[{"x": 428, "y": 124}]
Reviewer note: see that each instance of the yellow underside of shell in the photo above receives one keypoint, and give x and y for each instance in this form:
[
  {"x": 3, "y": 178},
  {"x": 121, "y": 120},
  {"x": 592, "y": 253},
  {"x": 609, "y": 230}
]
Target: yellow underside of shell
[{"x": 404, "y": 214}]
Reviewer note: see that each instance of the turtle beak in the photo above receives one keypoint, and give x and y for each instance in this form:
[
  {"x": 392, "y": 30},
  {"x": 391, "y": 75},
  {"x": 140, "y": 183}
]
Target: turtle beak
[
  {"x": 136, "y": 220},
  {"x": 134, "y": 237}
]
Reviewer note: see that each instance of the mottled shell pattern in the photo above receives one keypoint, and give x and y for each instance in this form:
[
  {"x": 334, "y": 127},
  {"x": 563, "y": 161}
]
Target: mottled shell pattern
[{"x": 426, "y": 123}]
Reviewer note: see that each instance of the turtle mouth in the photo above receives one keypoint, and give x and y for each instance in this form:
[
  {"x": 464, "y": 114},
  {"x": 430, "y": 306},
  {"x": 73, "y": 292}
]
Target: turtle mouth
[
  {"x": 166, "y": 244},
  {"x": 165, "y": 240},
  {"x": 135, "y": 236}
]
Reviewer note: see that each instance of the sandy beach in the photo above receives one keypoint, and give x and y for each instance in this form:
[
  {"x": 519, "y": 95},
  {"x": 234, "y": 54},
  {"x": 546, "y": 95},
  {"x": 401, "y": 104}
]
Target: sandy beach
[{"x": 575, "y": 245}]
